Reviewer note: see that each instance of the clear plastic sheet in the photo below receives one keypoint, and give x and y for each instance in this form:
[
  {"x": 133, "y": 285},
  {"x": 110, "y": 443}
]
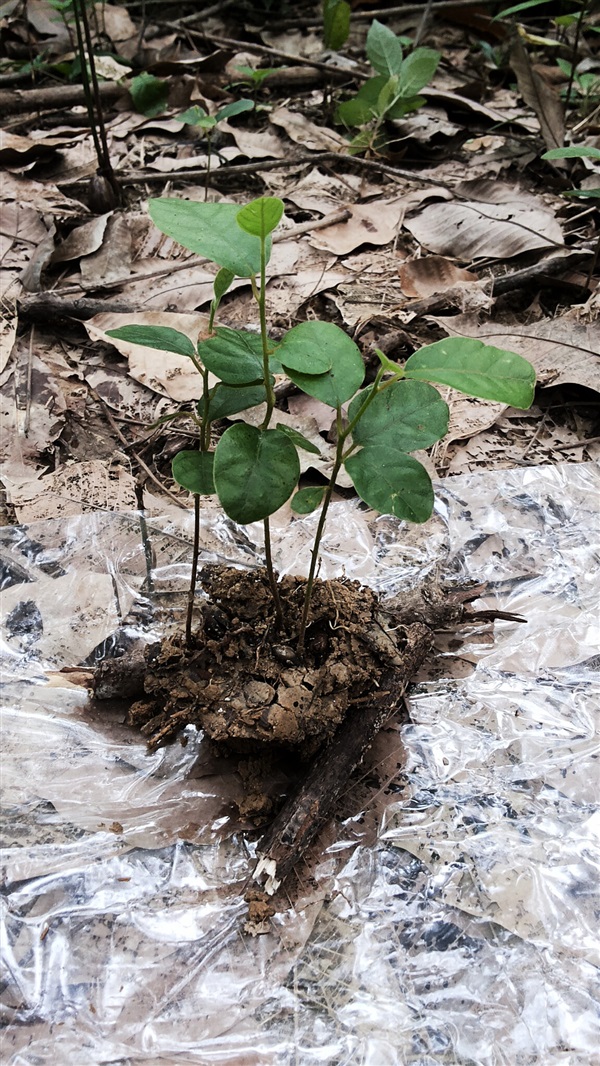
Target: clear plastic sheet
[{"x": 449, "y": 916}]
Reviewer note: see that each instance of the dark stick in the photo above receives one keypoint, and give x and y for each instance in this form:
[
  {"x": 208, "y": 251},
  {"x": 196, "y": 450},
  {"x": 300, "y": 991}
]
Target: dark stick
[{"x": 304, "y": 814}]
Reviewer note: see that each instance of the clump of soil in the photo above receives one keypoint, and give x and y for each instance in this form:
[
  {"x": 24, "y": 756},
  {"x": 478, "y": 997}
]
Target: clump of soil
[{"x": 244, "y": 683}]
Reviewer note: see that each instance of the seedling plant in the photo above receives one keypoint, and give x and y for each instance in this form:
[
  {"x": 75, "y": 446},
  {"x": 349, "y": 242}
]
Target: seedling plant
[
  {"x": 254, "y": 470},
  {"x": 392, "y": 93},
  {"x": 199, "y": 118}
]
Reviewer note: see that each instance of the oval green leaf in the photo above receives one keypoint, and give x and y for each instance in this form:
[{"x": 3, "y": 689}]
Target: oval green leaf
[
  {"x": 163, "y": 338},
  {"x": 209, "y": 230},
  {"x": 475, "y": 368},
  {"x": 194, "y": 472},
  {"x": 260, "y": 217},
  {"x": 237, "y": 107},
  {"x": 225, "y": 400},
  {"x": 384, "y": 50},
  {"x": 307, "y": 500},
  {"x": 574, "y": 151},
  {"x": 392, "y": 482},
  {"x": 234, "y": 355},
  {"x": 406, "y": 414},
  {"x": 311, "y": 347},
  {"x": 298, "y": 439},
  {"x": 256, "y": 471},
  {"x": 347, "y": 371}
]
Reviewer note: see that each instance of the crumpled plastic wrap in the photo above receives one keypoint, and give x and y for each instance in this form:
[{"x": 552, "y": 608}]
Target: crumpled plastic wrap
[{"x": 448, "y": 914}]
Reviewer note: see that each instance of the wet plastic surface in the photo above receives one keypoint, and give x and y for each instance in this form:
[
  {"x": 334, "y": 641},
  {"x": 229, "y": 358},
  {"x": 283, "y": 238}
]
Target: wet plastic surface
[{"x": 450, "y": 917}]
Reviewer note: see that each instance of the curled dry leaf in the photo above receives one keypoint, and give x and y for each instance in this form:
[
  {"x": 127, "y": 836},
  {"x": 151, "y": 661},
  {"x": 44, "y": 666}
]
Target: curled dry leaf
[
  {"x": 84, "y": 240},
  {"x": 20, "y": 153},
  {"x": 264, "y": 145},
  {"x": 113, "y": 258}
]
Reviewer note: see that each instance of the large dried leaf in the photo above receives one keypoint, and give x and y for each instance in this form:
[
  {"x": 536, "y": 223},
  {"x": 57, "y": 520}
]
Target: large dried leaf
[
  {"x": 562, "y": 351},
  {"x": 171, "y": 375},
  {"x": 265, "y": 144},
  {"x": 433, "y": 273},
  {"x": 84, "y": 240},
  {"x": 74, "y": 489},
  {"x": 473, "y": 229}
]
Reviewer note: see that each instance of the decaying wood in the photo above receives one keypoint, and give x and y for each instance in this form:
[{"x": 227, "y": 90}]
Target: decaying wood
[
  {"x": 305, "y": 813},
  {"x": 52, "y": 97}
]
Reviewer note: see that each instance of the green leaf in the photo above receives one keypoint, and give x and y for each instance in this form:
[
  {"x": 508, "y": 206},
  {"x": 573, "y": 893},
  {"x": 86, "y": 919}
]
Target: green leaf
[
  {"x": 209, "y": 230},
  {"x": 406, "y": 415},
  {"x": 306, "y": 500},
  {"x": 226, "y": 400},
  {"x": 575, "y": 151},
  {"x": 392, "y": 482},
  {"x": 256, "y": 471},
  {"x": 310, "y": 347},
  {"x": 235, "y": 108},
  {"x": 260, "y": 217},
  {"x": 417, "y": 71},
  {"x": 149, "y": 94},
  {"x": 592, "y": 194},
  {"x": 405, "y": 105},
  {"x": 197, "y": 116},
  {"x": 194, "y": 472},
  {"x": 223, "y": 280},
  {"x": 336, "y": 23},
  {"x": 384, "y": 50},
  {"x": 234, "y": 355},
  {"x": 516, "y": 8},
  {"x": 363, "y": 106},
  {"x": 388, "y": 95},
  {"x": 163, "y": 338},
  {"x": 476, "y": 369},
  {"x": 347, "y": 369},
  {"x": 298, "y": 439}
]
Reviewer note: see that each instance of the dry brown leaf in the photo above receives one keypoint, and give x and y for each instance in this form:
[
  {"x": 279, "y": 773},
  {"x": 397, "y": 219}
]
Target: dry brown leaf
[
  {"x": 302, "y": 131},
  {"x": 117, "y": 23},
  {"x": 83, "y": 240},
  {"x": 539, "y": 95},
  {"x": 163, "y": 372},
  {"x": 474, "y": 230},
  {"x": 561, "y": 351},
  {"x": 113, "y": 258},
  {"x": 31, "y": 418},
  {"x": 73, "y": 489},
  {"x": 31, "y": 276},
  {"x": 126, "y": 396},
  {"x": 45, "y": 19},
  {"x": 44, "y": 197},
  {"x": 264, "y": 145},
  {"x": 20, "y": 153},
  {"x": 20, "y": 222},
  {"x": 373, "y": 223},
  {"x": 432, "y": 274}
]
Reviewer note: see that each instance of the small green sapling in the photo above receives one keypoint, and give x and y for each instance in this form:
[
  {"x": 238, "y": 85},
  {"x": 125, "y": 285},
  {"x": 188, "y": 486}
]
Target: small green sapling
[{"x": 255, "y": 470}]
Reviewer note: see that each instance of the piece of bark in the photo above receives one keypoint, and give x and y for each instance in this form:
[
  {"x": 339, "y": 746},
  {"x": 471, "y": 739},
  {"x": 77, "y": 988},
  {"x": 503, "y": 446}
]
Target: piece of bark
[{"x": 305, "y": 813}]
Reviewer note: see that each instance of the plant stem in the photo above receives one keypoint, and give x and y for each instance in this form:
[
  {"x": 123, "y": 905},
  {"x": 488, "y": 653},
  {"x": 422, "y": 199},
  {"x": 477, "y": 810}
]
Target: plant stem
[
  {"x": 262, "y": 311},
  {"x": 574, "y": 53},
  {"x": 341, "y": 437},
  {"x": 192, "y": 589},
  {"x": 208, "y": 154}
]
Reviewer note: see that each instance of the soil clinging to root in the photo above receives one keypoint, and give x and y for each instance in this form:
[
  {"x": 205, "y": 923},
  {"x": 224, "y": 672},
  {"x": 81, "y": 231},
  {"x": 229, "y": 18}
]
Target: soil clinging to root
[{"x": 244, "y": 683}]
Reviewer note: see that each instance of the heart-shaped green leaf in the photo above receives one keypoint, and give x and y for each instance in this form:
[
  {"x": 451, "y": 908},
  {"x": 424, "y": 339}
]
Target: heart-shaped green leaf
[
  {"x": 260, "y": 217},
  {"x": 234, "y": 355},
  {"x": 306, "y": 500},
  {"x": 346, "y": 373},
  {"x": 392, "y": 482},
  {"x": 256, "y": 471},
  {"x": 194, "y": 472},
  {"x": 209, "y": 230},
  {"x": 225, "y": 400},
  {"x": 163, "y": 338},
  {"x": 476, "y": 369},
  {"x": 406, "y": 414}
]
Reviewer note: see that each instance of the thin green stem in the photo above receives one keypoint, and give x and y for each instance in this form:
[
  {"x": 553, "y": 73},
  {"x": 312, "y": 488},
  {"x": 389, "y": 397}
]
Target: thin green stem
[
  {"x": 259, "y": 296},
  {"x": 574, "y": 53},
  {"x": 208, "y": 155},
  {"x": 341, "y": 436},
  {"x": 194, "y": 576}
]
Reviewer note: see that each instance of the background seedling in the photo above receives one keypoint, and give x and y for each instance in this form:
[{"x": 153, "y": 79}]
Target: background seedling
[
  {"x": 392, "y": 94},
  {"x": 199, "y": 118},
  {"x": 255, "y": 470}
]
